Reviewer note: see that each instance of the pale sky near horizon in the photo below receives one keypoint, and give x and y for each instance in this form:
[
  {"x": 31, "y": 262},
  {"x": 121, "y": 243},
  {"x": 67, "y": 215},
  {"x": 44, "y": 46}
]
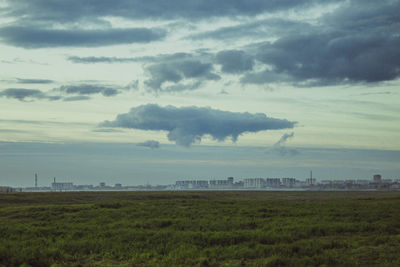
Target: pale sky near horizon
[{"x": 280, "y": 76}]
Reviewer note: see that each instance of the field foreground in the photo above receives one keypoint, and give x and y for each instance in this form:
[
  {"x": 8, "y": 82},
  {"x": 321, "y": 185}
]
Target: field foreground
[{"x": 233, "y": 228}]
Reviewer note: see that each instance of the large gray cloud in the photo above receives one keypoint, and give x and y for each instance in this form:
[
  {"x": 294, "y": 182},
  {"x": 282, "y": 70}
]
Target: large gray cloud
[
  {"x": 234, "y": 61},
  {"x": 23, "y": 94},
  {"x": 358, "y": 42},
  {"x": 84, "y": 10},
  {"x": 333, "y": 58},
  {"x": 187, "y": 125},
  {"x": 34, "y": 37},
  {"x": 177, "y": 71}
]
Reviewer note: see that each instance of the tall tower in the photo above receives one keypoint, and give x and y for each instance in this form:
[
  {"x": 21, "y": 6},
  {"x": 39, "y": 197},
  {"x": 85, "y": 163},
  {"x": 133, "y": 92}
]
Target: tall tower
[{"x": 35, "y": 180}]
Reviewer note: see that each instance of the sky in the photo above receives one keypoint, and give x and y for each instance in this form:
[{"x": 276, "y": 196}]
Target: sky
[{"x": 136, "y": 92}]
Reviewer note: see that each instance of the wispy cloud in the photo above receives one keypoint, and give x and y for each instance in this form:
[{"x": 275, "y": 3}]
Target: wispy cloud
[
  {"x": 150, "y": 144},
  {"x": 33, "y": 81},
  {"x": 280, "y": 148},
  {"x": 24, "y": 94}
]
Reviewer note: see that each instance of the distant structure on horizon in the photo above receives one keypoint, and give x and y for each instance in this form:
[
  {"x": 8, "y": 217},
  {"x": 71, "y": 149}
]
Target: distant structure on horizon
[
  {"x": 257, "y": 183},
  {"x": 377, "y": 178},
  {"x": 61, "y": 186}
]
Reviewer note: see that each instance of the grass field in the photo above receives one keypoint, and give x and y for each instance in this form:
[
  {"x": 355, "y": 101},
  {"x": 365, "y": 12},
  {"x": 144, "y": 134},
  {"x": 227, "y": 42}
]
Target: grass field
[{"x": 232, "y": 228}]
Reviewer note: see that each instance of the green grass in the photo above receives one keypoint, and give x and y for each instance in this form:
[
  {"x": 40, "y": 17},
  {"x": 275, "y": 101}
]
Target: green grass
[{"x": 200, "y": 229}]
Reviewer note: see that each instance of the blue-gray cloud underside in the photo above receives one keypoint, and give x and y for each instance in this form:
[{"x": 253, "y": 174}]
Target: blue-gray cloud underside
[
  {"x": 329, "y": 59},
  {"x": 254, "y": 29},
  {"x": 33, "y": 37},
  {"x": 88, "y": 89},
  {"x": 234, "y": 61},
  {"x": 187, "y": 125},
  {"x": 75, "y": 93},
  {"x": 177, "y": 71},
  {"x": 76, "y": 98},
  {"x": 33, "y": 81},
  {"x": 23, "y": 94},
  {"x": 76, "y": 10}
]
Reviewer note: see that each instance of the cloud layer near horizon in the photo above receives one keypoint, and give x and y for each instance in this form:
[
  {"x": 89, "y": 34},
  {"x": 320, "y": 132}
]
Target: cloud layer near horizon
[{"x": 187, "y": 125}]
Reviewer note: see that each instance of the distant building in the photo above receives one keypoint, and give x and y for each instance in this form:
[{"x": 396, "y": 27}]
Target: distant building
[
  {"x": 310, "y": 181},
  {"x": 254, "y": 183},
  {"x": 62, "y": 186},
  {"x": 6, "y": 189},
  {"x": 118, "y": 185},
  {"x": 288, "y": 182},
  {"x": 221, "y": 184},
  {"x": 102, "y": 184},
  {"x": 191, "y": 184},
  {"x": 273, "y": 182},
  {"x": 377, "y": 178}
]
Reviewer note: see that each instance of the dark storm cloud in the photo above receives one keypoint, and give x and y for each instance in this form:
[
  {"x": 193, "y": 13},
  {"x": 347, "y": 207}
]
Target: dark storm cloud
[
  {"x": 78, "y": 10},
  {"x": 234, "y": 61},
  {"x": 177, "y": 71},
  {"x": 333, "y": 58},
  {"x": 33, "y": 81},
  {"x": 358, "y": 42},
  {"x": 150, "y": 144},
  {"x": 88, "y": 89},
  {"x": 34, "y": 37},
  {"x": 22, "y": 94},
  {"x": 187, "y": 125},
  {"x": 364, "y": 15}
]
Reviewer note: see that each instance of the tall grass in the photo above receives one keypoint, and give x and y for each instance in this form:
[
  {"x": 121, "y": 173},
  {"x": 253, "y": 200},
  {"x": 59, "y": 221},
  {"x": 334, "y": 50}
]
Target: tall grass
[{"x": 200, "y": 229}]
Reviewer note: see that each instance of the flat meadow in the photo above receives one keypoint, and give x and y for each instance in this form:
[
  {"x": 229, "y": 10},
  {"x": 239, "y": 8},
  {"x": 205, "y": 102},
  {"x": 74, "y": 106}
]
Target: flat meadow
[{"x": 200, "y": 228}]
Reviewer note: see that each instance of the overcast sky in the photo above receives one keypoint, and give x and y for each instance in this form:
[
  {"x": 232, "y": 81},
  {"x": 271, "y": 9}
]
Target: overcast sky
[{"x": 154, "y": 91}]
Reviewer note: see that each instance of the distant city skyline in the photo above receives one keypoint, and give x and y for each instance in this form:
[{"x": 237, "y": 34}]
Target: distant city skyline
[
  {"x": 130, "y": 164},
  {"x": 134, "y": 91}
]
